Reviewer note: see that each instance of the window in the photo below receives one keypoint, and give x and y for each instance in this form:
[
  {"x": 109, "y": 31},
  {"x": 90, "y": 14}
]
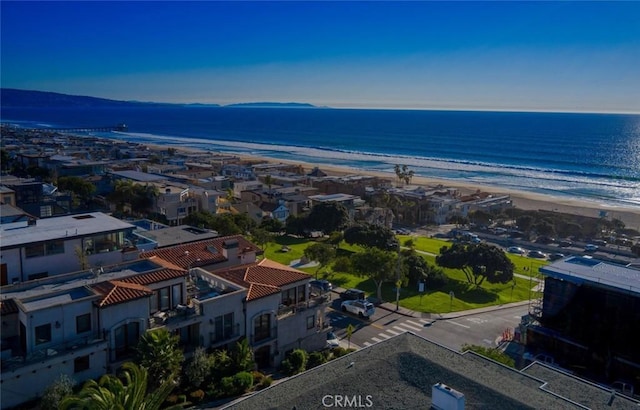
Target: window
[
  {"x": 43, "y": 333},
  {"x": 176, "y": 295},
  {"x": 153, "y": 303},
  {"x": 32, "y": 251},
  {"x": 81, "y": 363},
  {"x": 262, "y": 327},
  {"x": 45, "y": 211},
  {"x": 311, "y": 321},
  {"x": 302, "y": 293},
  {"x": 163, "y": 295},
  {"x": 223, "y": 328},
  {"x": 83, "y": 323},
  {"x": 126, "y": 339},
  {"x": 289, "y": 297},
  {"x": 54, "y": 247}
]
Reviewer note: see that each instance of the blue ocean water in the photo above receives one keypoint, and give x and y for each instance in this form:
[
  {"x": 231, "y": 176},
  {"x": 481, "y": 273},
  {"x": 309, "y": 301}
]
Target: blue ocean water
[{"x": 587, "y": 156}]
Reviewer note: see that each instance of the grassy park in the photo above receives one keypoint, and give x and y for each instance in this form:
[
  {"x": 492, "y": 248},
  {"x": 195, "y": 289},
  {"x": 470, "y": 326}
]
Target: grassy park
[{"x": 433, "y": 301}]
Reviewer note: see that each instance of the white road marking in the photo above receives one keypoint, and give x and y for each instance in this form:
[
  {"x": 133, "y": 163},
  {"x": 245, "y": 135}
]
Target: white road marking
[
  {"x": 375, "y": 339},
  {"x": 393, "y": 332},
  {"x": 408, "y": 326},
  {"x": 460, "y": 324},
  {"x": 414, "y": 323},
  {"x": 365, "y": 344},
  {"x": 402, "y": 330},
  {"x": 476, "y": 320},
  {"x": 384, "y": 335}
]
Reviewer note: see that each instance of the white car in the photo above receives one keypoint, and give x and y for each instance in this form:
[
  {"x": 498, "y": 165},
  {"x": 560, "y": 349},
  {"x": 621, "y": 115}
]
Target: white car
[
  {"x": 516, "y": 249},
  {"x": 362, "y": 308},
  {"x": 332, "y": 340}
]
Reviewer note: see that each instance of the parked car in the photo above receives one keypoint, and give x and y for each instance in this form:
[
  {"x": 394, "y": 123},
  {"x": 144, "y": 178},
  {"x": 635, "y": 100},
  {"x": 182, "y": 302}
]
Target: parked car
[
  {"x": 545, "y": 240},
  {"x": 353, "y": 294},
  {"x": 320, "y": 286},
  {"x": 537, "y": 254},
  {"x": 565, "y": 243},
  {"x": 556, "y": 256},
  {"x": 590, "y": 247},
  {"x": 362, "y": 308},
  {"x": 332, "y": 340},
  {"x": 516, "y": 249}
]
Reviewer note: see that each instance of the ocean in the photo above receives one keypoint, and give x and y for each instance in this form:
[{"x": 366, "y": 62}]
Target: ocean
[{"x": 593, "y": 157}]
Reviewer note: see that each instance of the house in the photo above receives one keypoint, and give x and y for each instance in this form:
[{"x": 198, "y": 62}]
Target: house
[
  {"x": 7, "y": 196},
  {"x": 39, "y": 248},
  {"x": 279, "y": 314},
  {"x": 410, "y": 372}
]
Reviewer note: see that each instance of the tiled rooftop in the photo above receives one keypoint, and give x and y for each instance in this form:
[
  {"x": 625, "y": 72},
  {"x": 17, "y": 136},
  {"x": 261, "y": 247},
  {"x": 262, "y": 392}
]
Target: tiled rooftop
[
  {"x": 200, "y": 253},
  {"x": 116, "y": 291}
]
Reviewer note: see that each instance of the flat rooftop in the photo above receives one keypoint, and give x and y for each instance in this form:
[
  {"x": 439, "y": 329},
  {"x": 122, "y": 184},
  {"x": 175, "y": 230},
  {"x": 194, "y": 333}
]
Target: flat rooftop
[
  {"x": 177, "y": 235},
  {"x": 584, "y": 270},
  {"x": 61, "y": 227}
]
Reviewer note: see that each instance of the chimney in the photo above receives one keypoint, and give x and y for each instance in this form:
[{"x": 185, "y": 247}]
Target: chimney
[
  {"x": 444, "y": 397},
  {"x": 230, "y": 249}
]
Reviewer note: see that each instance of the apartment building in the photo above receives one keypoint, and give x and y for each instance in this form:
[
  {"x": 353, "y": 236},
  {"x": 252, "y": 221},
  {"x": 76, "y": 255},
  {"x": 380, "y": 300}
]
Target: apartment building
[{"x": 38, "y": 248}]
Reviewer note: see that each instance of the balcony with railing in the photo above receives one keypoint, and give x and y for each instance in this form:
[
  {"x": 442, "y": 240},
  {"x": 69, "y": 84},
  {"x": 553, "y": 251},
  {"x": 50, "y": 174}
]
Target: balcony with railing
[
  {"x": 174, "y": 316},
  {"x": 313, "y": 302},
  {"x": 262, "y": 337},
  {"x": 18, "y": 358},
  {"x": 222, "y": 336}
]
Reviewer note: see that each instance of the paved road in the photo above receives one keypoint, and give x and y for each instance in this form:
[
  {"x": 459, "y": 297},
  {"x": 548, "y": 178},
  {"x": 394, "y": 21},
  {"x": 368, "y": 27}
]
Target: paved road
[{"x": 479, "y": 329}]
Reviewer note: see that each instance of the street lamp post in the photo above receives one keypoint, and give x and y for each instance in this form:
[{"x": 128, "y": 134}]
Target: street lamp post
[{"x": 398, "y": 283}]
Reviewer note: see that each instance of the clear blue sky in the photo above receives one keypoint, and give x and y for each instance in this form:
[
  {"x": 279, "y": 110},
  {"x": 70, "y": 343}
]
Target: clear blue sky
[{"x": 552, "y": 56}]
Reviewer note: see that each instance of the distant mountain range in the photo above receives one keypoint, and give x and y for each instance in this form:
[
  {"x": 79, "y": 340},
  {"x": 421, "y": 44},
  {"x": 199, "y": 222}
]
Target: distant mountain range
[{"x": 11, "y": 97}]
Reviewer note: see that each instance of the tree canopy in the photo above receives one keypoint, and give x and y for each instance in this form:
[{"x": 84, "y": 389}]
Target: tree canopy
[
  {"x": 328, "y": 217},
  {"x": 376, "y": 264},
  {"x": 159, "y": 354},
  {"x": 321, "y": 252},
  {"x": 370, "y": 235},
  {"x": 478, "y": 262}
]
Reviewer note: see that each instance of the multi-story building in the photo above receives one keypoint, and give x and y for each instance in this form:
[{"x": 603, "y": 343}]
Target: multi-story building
[
  {"x": 87, "y": 323},
  {"x": 587, "y": 318},
  {"x": 38, "y": 248}
]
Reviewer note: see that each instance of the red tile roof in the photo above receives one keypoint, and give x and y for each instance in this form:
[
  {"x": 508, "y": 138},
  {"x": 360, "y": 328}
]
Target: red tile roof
[
  {"x": 262, "y": 278},
  {"x": 116, "y": 291},
  {"x": 201, "y": 253},
  {"x": 155, "y": 276}
]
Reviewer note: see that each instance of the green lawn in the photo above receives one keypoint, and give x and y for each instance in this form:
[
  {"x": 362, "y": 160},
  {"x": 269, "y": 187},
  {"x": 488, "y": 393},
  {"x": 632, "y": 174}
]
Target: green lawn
[{"x": 433, "y": 301}]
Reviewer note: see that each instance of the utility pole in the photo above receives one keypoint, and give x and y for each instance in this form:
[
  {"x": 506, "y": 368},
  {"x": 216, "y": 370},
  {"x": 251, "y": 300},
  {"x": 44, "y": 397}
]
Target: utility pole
[{"x": 398, "y": 282}]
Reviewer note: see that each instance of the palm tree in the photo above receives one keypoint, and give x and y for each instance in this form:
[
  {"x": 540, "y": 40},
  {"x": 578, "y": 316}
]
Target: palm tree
[
  {"x": 110, "y": 392},
  {"x": 242, "y": 356},
  {"x": 159, "y": 354}
]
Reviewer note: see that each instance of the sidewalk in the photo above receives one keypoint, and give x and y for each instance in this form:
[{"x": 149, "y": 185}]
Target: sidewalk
[{"x": 391, "y": 307}]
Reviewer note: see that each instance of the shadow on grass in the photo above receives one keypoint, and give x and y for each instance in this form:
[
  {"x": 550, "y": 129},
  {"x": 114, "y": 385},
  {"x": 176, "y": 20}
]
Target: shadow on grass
[{"x": 463, "y": 291}]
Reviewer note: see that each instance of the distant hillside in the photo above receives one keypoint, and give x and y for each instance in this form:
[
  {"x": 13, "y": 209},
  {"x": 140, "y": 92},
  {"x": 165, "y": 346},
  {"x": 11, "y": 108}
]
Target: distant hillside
[
  {"x": 11, "y": 97},
  {"x": 272, "y": 104}
]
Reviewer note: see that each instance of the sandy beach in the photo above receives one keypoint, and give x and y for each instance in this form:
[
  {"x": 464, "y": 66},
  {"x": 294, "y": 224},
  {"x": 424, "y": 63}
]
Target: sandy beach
[{"x": 521, "y": 199}]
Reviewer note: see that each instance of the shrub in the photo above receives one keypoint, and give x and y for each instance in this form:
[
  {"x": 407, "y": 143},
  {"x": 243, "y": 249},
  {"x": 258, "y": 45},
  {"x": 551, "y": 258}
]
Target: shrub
[
  {"x": 316, "y": 359},
  {"x": 54, "y": 394},
  {"x": 242, "y": 382},
  {"x": 338, "y": 351},
  {"x": 257, "y": 377},
  {"x": 197, "y": 395},
  {"x": 199, "y": 369},
  {"x": 295, "y": 363},
  {"x": 266, "y": 382}
]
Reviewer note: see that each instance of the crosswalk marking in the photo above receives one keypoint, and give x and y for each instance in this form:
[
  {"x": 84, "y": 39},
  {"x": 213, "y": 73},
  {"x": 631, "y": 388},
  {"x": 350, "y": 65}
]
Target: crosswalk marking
[
  {"x": 459, "y": 324},
  {"x": 401, "y": 329},
  {"x": 365, "y": 344},
  {"x": 386, "y": 336},
  {"x": 408, "y": 326},
  {"x": 375, "y": 339},
  {"x": 393, "y": 332},
  {"x": 414, "y": 323}
]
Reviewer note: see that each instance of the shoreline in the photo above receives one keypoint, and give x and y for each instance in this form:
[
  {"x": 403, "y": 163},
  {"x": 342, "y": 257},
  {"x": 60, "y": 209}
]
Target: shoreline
[{"x": 521, "y": 199}]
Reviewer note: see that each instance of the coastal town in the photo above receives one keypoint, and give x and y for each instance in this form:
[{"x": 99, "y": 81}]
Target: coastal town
[{"x": 105, "y": 242}]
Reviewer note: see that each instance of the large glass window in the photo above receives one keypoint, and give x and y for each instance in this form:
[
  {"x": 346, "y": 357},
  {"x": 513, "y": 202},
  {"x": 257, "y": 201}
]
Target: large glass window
[
  {"x": 103, "y": 243},
  {"x": 302, "y": 296},
  {"x": 83, "y": 323},
  {"x": 126, "y": 339},
  {"x": 223, "y": 327},
  {"x": 176, "y": 295},
  {"x": 43, "y": 333},
  {"x": 164, "y": 298},
  {"x": 153, "y": 302},
  {"x": 262, "y": 327},
  {"x": 289, "y": 297}
]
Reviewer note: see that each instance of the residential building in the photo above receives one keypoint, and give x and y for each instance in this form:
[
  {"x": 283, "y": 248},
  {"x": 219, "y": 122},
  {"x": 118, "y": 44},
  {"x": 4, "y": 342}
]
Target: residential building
[
  {"x": 7, "y": 196},
  {"x": 45, "y": 247},
  {"x": 586, "y": 319},
  {"x": 410, "y": 372}
]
